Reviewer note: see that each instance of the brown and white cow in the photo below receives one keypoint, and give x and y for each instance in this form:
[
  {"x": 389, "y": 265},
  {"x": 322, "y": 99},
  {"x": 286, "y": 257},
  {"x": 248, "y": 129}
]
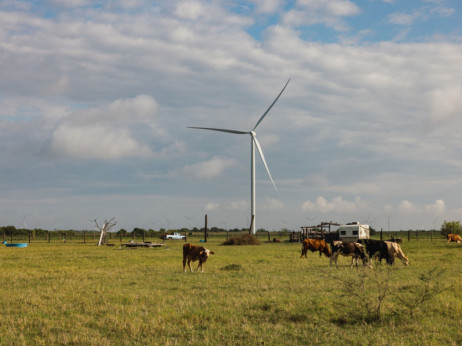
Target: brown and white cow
[
  {"x": 394, "y": 250},
  {"x": 195, "y": 253},
  {"x": 454, "y": 238},
  {"x": 355, "y": 250},
  {"x": 316, "y": 245}
]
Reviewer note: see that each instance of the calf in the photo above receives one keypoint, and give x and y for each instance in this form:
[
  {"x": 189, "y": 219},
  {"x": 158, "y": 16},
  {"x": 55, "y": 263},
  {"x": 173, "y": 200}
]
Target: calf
[
  {"x": 195, "y": 253},
  {"x": 355, "y": 250},
  {"x": 316, "y": 245},
  {"x": 454, "y": 238},
  {"x": 394, "y": 250}
]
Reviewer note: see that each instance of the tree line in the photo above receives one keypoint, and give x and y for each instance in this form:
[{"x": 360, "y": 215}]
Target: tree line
[
  {"x": 12, "y": 230},
  {"x": 448, "y": 227}
]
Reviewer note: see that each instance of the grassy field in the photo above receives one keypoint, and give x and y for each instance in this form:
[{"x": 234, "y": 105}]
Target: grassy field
[{"x": 76, "y": 293}]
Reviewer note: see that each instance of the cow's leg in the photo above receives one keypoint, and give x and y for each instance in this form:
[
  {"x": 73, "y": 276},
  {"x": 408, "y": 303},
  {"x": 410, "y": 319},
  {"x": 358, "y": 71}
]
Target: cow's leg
[
  {"x": 335, "y": 258},
  {"x": 200, "y": 266},
  {"x": 189, "y": 265},
  {"x": 184, "y": 264},
  {"x": 331, "y": 259}
]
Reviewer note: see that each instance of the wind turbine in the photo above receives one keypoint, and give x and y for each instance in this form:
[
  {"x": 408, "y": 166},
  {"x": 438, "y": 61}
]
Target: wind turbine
[{"x": 253, "y": 142}]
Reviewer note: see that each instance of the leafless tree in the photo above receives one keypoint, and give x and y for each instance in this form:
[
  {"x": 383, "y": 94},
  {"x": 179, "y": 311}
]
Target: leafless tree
[{"x": 106, "y": 227}]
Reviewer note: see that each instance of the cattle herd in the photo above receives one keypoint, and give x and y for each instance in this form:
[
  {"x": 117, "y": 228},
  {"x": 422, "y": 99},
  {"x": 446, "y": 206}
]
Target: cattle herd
[{"x": 365, "y": 250}]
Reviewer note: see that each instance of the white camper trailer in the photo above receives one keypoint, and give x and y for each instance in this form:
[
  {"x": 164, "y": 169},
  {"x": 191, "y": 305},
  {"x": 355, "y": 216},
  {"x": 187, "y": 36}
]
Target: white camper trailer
[{"x": 353, "y": 231}]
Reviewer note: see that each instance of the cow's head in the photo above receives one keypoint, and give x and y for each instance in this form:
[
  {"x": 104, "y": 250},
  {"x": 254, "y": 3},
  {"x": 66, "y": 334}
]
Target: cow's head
[{"x": 205, "y": 253}]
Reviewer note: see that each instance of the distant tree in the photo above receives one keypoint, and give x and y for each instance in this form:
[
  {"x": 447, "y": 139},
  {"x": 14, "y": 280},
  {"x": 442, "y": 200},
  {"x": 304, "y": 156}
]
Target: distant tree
[
  {"x": 139, "y": 230},
  {"x": 122, "y": 232},
  {"x": 452, "y": 227},
  {"x": 8, "y": 230}
]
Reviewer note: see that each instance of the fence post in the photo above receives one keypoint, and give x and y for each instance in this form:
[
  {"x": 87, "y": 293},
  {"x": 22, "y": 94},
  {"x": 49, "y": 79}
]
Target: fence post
[
  {"x": 408, "y": 235},
  {"x": 381, "y": 234},
  {"x": 205, "y": 229}
]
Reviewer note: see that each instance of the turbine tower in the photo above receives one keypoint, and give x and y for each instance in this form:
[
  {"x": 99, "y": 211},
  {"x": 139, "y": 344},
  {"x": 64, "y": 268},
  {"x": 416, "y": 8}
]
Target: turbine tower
[{"x": 253, "y": 142}]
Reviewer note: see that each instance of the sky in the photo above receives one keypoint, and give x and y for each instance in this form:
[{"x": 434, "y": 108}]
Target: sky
[{"x": 96, "y": 98}]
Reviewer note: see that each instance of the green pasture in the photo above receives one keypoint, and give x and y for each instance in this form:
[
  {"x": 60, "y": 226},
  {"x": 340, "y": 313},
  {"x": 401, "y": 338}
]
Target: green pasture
[{"x": 76, "y": 293}]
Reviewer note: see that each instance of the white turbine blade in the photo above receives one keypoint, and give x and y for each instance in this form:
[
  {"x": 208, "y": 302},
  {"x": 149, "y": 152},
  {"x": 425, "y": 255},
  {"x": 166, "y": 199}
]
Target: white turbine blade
[
  {"x": 263, "y": 158},
  {"x": 220, "y": 130},
  {"x": 264, "y": 114}
]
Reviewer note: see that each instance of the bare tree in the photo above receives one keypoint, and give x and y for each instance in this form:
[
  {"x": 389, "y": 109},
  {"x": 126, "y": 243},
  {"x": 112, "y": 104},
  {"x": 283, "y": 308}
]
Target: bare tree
[{"x": 107, "y": 225}]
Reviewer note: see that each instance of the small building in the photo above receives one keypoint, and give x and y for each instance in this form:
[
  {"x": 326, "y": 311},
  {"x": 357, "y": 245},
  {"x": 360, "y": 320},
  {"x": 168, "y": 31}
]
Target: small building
[{"x": 353, "y": 231}]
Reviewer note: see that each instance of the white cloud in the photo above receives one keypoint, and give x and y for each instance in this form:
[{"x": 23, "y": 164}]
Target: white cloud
[
  {"x": 190, "y": 10},
  {"x": 406, "y": 207},
  {"x": 212, "y": 206},
  {"x": 103, "y": 133},
  {"x": 95, "y": 142},
  {"x": 419, "y": 14},
  {"x": 209, "y": 169},
  {"x": 268, "y": 6},
  {"x": 332, "y": 7},
  {"x": 329, "y": 13},
  {"x": 337, "y": 204},
  {"x": 446, "y": 102},
  {"x": 437, "y": 208},
  {"x": 403, "y": 18}
]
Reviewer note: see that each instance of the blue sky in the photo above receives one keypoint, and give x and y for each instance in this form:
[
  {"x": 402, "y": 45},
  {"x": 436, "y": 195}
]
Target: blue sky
[{"x": 95, "y": 101}]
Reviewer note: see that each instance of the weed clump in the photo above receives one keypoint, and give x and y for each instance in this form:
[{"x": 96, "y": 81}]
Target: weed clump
[{"x": 243, "y": 239}]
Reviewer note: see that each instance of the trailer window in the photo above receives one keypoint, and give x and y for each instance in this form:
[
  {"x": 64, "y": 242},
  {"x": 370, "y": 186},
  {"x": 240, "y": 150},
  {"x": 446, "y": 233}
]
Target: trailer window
[
  {"x": 355, "y": 232},
  {"x": 342, "y": 232}
]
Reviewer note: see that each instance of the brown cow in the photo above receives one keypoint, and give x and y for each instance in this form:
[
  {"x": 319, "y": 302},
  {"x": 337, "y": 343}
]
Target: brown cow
[
  {"x": 193, "y": 253},
  {"x": 316, "y": 245},
  {"x": 454, "y": 238},
  {"x": 394, "y": 250}
]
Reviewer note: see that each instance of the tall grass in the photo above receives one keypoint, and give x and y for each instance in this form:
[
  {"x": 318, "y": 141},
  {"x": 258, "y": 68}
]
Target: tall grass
[{"x": 75, "y": 293}]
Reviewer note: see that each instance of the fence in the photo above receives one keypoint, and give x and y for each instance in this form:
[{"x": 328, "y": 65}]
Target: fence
[{"x": 291, "y": 236}]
